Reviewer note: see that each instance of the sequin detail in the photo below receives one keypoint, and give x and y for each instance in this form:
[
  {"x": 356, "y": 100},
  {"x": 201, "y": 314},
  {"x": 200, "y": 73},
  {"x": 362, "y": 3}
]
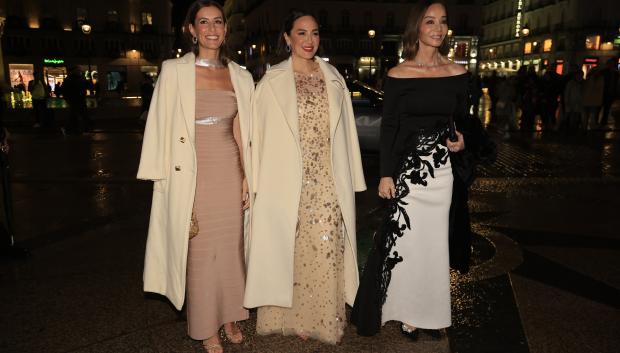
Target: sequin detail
[{"x": 318, "y": 290}]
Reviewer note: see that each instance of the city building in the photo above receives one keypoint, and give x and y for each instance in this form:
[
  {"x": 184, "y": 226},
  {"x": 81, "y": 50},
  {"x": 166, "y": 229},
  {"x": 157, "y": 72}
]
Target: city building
[
  {"x": 361, "y": 38},
  {"x": 114, "y": 42},
  {"x": 537, "y": 33}
]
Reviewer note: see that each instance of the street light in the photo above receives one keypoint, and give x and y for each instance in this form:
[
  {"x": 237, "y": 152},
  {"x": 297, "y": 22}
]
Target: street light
[
  {"x": 86, "y": 29},
  {"x": 371, "y": 36},
  {"x": 525, "y": 31}
]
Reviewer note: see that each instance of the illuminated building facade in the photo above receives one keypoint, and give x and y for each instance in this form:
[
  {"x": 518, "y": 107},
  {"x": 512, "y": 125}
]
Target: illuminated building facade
[
  {"x": 361, "y": 38},
  {"x": 537, "y": 33},
  {"x": 114, "y": 42}
]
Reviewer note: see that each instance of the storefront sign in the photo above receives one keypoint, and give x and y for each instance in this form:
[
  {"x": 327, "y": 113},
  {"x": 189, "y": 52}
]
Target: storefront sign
[{"x": 53, "y": 61}]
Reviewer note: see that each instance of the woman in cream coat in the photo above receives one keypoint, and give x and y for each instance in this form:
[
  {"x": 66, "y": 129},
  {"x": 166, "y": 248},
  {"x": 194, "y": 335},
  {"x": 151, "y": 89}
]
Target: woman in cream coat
[
  {"x": 279, "y": 133},
  {"x": 188, "y": 133},
  {"x": 169, "y": 160}
]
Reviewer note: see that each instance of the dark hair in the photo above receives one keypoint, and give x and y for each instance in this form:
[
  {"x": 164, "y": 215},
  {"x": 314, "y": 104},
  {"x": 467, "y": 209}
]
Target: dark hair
[
  {"x": 287, "y": 26},
  {"x": 190, "y": 18},
  {"x": 411, "y": 35}
]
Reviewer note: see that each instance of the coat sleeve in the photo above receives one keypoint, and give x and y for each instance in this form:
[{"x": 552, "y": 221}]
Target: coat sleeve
[
  {"x": 155, "y": 147},
  {"x": 255, "y": 137},
  {"x": 355, "y": 158}
]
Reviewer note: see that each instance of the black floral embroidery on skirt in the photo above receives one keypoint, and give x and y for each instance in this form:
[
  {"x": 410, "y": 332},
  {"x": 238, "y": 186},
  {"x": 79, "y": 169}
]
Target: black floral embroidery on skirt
[{"x": 396, "y": 219}]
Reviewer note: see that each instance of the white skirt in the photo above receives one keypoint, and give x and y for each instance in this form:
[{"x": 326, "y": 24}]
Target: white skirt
[{"x": 419, "y": 290}]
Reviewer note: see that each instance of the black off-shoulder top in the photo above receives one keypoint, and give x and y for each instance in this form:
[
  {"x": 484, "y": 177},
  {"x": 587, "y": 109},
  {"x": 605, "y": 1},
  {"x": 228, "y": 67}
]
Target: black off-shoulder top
[{"x": 414, "y": 106}]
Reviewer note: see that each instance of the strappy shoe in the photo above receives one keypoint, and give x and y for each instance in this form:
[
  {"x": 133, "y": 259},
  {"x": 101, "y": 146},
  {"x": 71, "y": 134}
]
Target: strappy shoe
[
  {"x": 235, "y": 335},
  {"x": 409, "y": 332},
  {"x": 212, "y": 347}
]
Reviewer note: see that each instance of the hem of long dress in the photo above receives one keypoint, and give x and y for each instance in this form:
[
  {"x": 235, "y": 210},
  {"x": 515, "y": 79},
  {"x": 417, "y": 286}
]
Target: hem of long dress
[
  {"x": 235, "y": 318},
  {"x": 293, "y": 332},
  {"x": 418, "y": 324}
]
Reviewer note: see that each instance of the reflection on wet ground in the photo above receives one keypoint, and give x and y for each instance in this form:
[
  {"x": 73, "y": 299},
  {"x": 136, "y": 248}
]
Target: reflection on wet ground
[{"x": 544, "y": 278}]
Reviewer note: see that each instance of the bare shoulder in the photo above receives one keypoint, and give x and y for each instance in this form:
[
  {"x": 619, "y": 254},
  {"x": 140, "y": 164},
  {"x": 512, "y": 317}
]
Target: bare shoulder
[{"x": 399, "y": 71}]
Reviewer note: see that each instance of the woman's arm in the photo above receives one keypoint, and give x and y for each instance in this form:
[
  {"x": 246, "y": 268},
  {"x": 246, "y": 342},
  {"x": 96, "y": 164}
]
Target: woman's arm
[{"x": 244, "y": 188}]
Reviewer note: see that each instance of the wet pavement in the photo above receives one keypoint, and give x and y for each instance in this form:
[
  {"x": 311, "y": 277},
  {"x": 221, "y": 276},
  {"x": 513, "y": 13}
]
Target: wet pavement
[{"x": 546, "y": 274}]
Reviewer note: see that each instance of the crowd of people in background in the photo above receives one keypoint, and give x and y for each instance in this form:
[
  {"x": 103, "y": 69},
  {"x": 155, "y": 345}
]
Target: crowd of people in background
[{"x": 562, "y": 102}]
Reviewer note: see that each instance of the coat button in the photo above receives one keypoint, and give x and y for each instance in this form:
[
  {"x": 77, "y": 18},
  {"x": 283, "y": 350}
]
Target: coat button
[
  {"x": 182, "y": 139},
  {"x": 177, "y": 168}
]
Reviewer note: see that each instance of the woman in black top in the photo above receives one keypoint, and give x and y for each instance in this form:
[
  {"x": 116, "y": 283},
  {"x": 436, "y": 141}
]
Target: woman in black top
[{"x": 407, "y": 276}]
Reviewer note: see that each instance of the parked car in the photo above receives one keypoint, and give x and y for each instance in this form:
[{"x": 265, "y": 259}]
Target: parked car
[{"x": 367, "y": 107}]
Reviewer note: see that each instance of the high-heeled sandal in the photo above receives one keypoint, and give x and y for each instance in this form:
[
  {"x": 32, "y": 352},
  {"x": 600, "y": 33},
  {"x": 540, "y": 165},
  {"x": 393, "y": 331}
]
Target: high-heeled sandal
[
  {"x": 212, "y": 347},
  {"x": 234, "y": 337},
  {"x": 409, "y": 332}
]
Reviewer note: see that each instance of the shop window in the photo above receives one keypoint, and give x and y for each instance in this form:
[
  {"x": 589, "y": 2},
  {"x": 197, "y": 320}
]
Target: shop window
[
  {"x": 607, "y": 46},
  {"x": 112, "y": 16},
  {"x": 20, "y": 75},
  {"x": 527, "y": 49},
  {"x": 116, "y": 80},
  {"x": 547, "y": 44},
  {"x": 593, "y": 42},
  {"x": 147, "y": 19},
  {"x": 559, "y": 67}
]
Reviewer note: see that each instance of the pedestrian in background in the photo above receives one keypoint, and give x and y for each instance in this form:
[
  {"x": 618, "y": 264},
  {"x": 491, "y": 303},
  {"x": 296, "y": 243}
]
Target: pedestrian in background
[
  {"x": 407, "y": 276},
  {"x": 505, "y": 110},
  {"x": 593, "y": 89},
  {"x": 146, "y": 93},
  {"x": 302, "y": 265},
  {"x": 573, "y": 100},
  {"x": 475, "y": 93},
  {"x": 610, "y": 90},
  {"x": 551, "y": 88},
  {"x": 74, "y": 92},
  {"x": 529, "y": 98},
  {"x": 196, "y": 150},
  {"x": 39, "y": 92}
]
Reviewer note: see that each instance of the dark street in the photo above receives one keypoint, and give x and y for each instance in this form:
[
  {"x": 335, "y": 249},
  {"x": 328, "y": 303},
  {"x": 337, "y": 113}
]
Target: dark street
[{"x": 546, "y": 272}]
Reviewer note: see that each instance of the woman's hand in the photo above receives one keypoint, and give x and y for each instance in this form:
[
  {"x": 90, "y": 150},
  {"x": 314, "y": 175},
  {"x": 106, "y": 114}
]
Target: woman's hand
[
  {"x": 386, "y": 188},
  {"x": 458, "y": 145},
  {"x": 245, "y": 196}
]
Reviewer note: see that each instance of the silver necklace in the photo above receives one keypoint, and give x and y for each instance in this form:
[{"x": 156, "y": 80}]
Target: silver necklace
[
  {"x": 423, "y": 64},
  {"x": 210, "y": 63}
]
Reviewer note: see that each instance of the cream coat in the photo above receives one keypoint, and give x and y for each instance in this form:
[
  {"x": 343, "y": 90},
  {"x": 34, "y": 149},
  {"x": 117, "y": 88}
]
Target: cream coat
[
  {"x": 169, "y": 159},
  {"x": 277, "y": 169}
]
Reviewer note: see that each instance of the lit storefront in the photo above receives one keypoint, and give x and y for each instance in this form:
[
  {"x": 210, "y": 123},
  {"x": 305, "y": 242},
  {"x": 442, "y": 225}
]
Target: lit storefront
[{"x": 464, "y": 51}]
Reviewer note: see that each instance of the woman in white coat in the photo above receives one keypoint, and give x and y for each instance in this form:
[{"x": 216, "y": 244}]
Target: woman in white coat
[
  {"x": 196, "y": 143},
  {"x": 302, "y": 265}
]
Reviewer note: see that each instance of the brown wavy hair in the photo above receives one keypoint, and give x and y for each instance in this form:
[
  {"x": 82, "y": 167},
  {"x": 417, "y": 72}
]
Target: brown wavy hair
[
  {"x": 190, "y": 18},
  {"x": 411, "y": 35}
]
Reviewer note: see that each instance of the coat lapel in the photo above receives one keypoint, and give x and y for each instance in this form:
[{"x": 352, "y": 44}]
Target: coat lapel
[
  {"x": 335, "y": 94},
  {"x": 242, "y": 97},
  {"x": 186, "y": 74},
  {"x": 284, "y": 91}
]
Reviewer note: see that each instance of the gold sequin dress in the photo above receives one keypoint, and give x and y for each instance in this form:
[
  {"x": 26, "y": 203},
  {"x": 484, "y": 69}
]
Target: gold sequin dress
[{"x": 318, "y": 309}]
